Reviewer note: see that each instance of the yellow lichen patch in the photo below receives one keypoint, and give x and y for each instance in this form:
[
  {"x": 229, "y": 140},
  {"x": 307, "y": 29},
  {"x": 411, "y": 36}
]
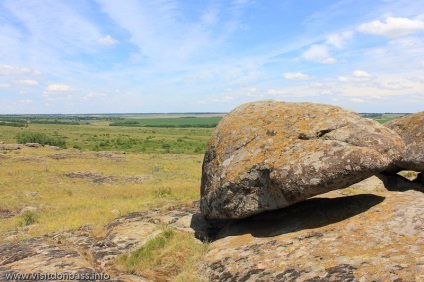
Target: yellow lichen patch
[
  {"x": 384, "y": 240},
  {"x": 303, "y": 148}
]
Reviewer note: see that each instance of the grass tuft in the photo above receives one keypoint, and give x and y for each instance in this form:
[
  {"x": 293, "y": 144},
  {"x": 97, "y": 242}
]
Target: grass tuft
[
  {"x": 27, "y": 218},
  {"x": 170, "y": 256}
]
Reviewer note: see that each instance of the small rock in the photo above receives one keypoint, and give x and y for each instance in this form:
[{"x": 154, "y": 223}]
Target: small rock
[
  {"x": 31, "y": 194},
  {"x": 33, "y": 145},
  {"x": 28, "y": 209}
]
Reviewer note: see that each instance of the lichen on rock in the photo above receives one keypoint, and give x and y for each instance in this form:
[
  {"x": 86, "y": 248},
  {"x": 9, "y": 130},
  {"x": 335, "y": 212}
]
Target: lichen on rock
[
  {"x": 411, "y": 129},
  {"x": 267, "y": 155}
]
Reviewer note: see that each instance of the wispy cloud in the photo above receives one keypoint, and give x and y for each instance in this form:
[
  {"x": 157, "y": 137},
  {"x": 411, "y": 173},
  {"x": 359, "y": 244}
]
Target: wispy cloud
[
  {"x": 296, "y": 76},
  {"x": 338, "y": 40},
  {"x": 7, "y": 70},
  {"x": 318, "y": 53},
  {"x": 59, "y": 88},
  {"x": 29, "y": 82},
  {"x": 55, "y": 24},
  {"x": 162, "y": 34}
]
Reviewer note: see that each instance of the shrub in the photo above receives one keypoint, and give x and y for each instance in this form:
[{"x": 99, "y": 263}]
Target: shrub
[
  {"x": 40, "y": 138},
  {"x": 27, "y": 218},
  {"x": 163, "y": 192}
]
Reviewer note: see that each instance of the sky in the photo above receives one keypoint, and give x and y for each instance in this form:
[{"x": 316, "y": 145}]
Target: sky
[{"x": 162, "y": 56}]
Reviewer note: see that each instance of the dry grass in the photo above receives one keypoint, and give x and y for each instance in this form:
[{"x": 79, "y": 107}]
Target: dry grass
[
  {"x": 170, "y": 256},
  {"x": 68, "y": 188}
]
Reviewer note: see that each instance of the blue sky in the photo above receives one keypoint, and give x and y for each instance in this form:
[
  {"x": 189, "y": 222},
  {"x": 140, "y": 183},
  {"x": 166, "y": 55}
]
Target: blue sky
[{"x": 103, "y": 56}]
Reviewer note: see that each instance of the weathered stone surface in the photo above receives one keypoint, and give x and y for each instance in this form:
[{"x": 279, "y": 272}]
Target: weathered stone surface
[
  {"x": 37, "y": 255},
  {"x": 361, "y": 237},
  {"x": 389, "y": 182},
  {"x": 267, "y": 155},
  {"x": 411, "y": 129},
  {"x": 78, "y": 251}
]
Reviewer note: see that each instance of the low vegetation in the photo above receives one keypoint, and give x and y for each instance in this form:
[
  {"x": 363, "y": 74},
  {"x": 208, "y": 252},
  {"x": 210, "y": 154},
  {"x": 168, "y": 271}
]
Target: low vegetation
[
  {"x": 182, "y": 122},
  {"x": 40, "y": 138},
  {"x": 70, "y": 188},
  {"x": 171, "y": 254}
]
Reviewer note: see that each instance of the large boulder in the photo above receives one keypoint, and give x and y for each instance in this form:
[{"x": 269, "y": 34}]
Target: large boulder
[
  {"x": 411, "y": 129},
  {"x": 267, "y": 155}
]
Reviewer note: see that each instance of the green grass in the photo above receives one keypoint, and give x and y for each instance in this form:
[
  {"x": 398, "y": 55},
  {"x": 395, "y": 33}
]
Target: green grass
[
  {"x": 40, "y": 138},
  {"x": 27, "y": 218},
  {"x": 170, "y": 256},
  {"x": 101, "y": 137},
  {"x": 182, "y": 122},
  {"x": 384, "y": 120}
]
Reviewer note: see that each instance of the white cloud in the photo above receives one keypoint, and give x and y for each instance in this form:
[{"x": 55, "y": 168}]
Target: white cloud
[
  {"x": 338, "y": 39},
  {"x": 357, "y": 76},
  {"x": 96, "y": 95},
  {"x": 6, "y": 70},
  {"x": 318, "y": 53},
  {"x": 296, "y": 76},
  {"x": 361, "y": 74},
  {"x": 59, "y": 88},
  {"x": 392, "y": 27},
  {"x": 28, "y": 82},
  {"x": 382, "y": 86},
  {"x": 26, "y": 101},
  {"x": 4, "y": 85},
  {"x": 277, "y": 92},
  {"x": 357, "y": 100},
  {"x": 107, "y": 40},
  {"x": 224, "y": 99}
]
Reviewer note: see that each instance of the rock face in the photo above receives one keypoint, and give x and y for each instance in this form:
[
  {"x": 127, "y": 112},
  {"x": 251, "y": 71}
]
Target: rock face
[
  {"x": 365, "y": 237},
  {"x": 267, "y": 155},
  {"x": 411, "y": 129}
]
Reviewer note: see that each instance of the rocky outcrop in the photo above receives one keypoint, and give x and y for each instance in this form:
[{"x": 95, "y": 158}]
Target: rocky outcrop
[
  {"x": 80, "y": 252},
  {"x": 365, "y": 237},
  {"x": 355, "y": 234},
  {"x": 267, "y": 155},
  {"x": 411, "y": 129}
]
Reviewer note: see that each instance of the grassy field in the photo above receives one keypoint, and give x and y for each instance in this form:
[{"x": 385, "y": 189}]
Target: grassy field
[
  {"x": 181, "y": 122},
  {"x": 68, "y": 188},
  {"x": 101, "y": 137}
]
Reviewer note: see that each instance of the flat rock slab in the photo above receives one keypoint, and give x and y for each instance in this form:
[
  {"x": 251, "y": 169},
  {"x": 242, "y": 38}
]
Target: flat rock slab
[
  {"x": 411, "y": 129},
  {"x": 267, "y": 155},
  {"x": 352, "y": 238},
  {"x": 38, "y": 255},
  {"x": 79, "y": 252}
]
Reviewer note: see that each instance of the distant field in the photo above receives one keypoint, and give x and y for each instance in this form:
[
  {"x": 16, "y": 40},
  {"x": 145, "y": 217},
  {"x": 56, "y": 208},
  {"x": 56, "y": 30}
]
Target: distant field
[
  {"x": 181, "y": 122},
  {"x": 101, "y": 137},
  {"x": 383, "y": 118}
]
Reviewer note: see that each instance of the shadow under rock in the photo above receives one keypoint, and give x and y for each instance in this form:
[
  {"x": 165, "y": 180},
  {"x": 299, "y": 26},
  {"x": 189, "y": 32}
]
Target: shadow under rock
[
  {"x": 396, "y": 182},
  {"x": 309, "y": 214}
]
